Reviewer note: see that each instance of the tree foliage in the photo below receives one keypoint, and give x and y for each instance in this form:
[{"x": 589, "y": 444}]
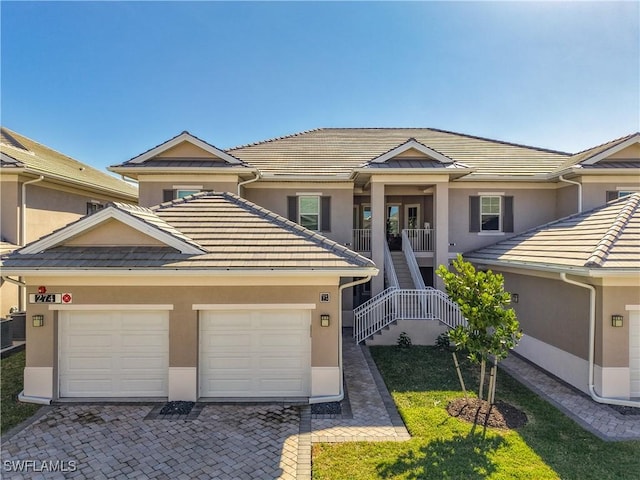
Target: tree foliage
[{"x": 492, "y": 328}]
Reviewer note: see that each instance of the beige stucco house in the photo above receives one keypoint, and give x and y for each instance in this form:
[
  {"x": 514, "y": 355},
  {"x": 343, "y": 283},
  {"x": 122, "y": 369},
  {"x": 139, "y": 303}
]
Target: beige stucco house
[
  {"x": 408, "y": 199},
  {"x": 43, "y": 190}
]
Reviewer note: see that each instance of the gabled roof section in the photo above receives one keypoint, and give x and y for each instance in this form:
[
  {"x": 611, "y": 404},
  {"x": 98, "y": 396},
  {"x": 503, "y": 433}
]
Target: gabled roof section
[
  {"x": 592, "y": 157},
  {"x": 412, "y": 144},
  {"x": 227, "y": 234},
  {"x": 606, "y": 239},
  {"x": 153, "y": 154},
  {"x": 138, "y": 218},
  {"x": 20, "y": 152}
]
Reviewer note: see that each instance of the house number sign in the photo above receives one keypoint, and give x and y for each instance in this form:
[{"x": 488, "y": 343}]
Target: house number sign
[{"x": 50, "y": 298}]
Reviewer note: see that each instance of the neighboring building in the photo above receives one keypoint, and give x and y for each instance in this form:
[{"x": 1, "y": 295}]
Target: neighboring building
[
  {"x": 43, "y": 190},
  {"x": 407, "y": 198}
]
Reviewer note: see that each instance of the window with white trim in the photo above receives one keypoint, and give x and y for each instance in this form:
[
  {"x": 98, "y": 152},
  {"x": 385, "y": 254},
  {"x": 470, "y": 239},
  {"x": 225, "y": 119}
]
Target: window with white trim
[
  {"x": 490, "y": 213},
  {"x": 309, "y": 212}
]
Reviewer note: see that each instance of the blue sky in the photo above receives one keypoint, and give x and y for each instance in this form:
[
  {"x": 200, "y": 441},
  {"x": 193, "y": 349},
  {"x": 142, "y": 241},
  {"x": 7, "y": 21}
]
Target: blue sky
[{"x": 104, "y": 81}]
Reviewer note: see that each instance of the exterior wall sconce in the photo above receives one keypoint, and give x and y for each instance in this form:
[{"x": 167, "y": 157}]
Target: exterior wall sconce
[
  {"x": 515, "y": 297},
  {"x": 616, "y": 320},
  {"x": 325, "y": 320},
  {"x": 37, "y": 320}
]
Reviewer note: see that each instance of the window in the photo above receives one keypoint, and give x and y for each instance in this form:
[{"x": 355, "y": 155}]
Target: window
[
  {"x": 185, "y": 193},
  {"x": 309, "y": 212},
  {"x": 366, "y": 216},
  {"x": 312, "y": 211},
  {"x": 93, "y": 207},
  {"x": 489, "y": 214}
]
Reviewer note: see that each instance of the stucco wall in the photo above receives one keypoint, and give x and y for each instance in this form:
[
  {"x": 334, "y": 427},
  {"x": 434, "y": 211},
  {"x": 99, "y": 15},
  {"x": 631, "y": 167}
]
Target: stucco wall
[
  {"x": 552, "y": 311},
  {"x": 615, "y": 340},
  {"x": 566, "y": 200},
  {"x": 530, "y": 208},
  {"x": 275, "y": 199},
  {"x": 183, "y": 325},
  {"x": 151, "y": 192},
  {"x": 9, "y": 209}
]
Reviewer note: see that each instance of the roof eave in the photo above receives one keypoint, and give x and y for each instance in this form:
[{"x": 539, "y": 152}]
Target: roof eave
[
  {"x": 76, "y": 183},
  {"x": 191, "y": 272},
  {"x": 550, "y": 268}
]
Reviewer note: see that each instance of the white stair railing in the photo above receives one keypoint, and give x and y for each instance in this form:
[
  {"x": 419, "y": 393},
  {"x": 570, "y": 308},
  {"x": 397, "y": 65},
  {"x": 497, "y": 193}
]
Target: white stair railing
[
  {"x": 389, "y": 270},
  {"x": 395, "y": 304},
  {"x": 410, "y": 256}
]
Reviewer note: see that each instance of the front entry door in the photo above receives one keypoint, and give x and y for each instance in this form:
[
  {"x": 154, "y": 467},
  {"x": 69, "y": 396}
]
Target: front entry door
[{"x": 393, "y": 227}]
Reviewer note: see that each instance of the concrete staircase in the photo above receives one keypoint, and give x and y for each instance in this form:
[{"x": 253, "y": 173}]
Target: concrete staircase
[{"x": 402, "y": 270}]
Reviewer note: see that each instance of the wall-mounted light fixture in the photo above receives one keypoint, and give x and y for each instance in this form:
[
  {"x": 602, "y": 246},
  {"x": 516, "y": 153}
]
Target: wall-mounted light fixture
[
  {"x": 37, "y": 320},
  {"x": 325, "y": 320},
  {"x": 515, "y": 298},
  {"x": 617, "y": 320}
]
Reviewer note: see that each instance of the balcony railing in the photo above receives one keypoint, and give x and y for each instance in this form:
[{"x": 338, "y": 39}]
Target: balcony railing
[
  {"x": 421, "y": 239},
  {"x": 362, "y": 240}
]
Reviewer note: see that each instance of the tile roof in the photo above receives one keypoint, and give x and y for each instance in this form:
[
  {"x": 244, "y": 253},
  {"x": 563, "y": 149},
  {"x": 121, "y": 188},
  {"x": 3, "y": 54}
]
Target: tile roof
[
  {"x": 592, "y": 152},
  {"x": 26, "y": 153},
  {"x": 605, "y": 238},
  {"x": 232, "y": 232},
  {"x": 337, "y": 151}
]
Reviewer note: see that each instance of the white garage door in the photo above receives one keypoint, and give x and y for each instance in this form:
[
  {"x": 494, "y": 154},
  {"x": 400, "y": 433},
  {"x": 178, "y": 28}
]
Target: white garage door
[
  {"x": 255, "y": 353},
  {"x": 634, "y": 352},
  {"x": 113, "y": 353}
]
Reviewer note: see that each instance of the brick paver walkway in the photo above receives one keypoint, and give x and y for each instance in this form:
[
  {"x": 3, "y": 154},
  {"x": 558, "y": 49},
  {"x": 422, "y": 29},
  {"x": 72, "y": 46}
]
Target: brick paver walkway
[
  {"x": 602, "y": 420},
  {"x": 225, "y": 442}
]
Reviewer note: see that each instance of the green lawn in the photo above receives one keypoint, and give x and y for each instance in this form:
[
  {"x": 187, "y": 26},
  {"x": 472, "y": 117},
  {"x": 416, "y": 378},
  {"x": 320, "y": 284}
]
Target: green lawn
[
  {"x": 12, "y": 411},
  {"x": 422, "y": 380}
]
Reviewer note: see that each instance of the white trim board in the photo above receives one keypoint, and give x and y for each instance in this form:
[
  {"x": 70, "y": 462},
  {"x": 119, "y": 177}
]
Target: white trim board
[
  {"x": 254, "y": 306},
  {"x": 118, "y": 306}
]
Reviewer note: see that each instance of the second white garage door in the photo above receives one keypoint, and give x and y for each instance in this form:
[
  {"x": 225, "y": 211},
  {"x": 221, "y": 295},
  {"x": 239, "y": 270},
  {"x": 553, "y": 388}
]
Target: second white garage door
[
  {"x": 255, "y": 353},
  {"x": 113, "y": 353}
]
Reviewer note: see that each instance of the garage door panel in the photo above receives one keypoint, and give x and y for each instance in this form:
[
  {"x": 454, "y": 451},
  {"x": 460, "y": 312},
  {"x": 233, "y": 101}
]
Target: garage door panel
[
  {"x": 254, "y": 353},
  {"x": 113, "y": 354}
]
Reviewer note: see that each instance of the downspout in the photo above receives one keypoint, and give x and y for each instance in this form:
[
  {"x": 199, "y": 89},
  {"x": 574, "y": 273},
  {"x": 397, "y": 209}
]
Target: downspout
[
  {"x": 340, "y": 396},
  {"x": 592, "y": 344},
  {"x": 562, "y": 179},
  {"x": 251, "y": 180},
  {"x": 22, "y": 296}
]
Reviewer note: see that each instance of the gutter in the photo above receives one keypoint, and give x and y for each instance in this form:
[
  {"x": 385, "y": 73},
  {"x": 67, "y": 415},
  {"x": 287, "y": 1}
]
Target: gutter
[
  {"x": 22, "y": 295},
  {"x": 592, "y": 341},
  {"x": 562, "y": 179},
  {"x": 340, "y": 396},
  {"x": 251, "y": 180}
]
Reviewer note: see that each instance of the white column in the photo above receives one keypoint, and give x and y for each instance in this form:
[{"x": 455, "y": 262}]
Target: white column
[
  {"x": 378, "y": 234},
  {"x": 441, "y": 254}
]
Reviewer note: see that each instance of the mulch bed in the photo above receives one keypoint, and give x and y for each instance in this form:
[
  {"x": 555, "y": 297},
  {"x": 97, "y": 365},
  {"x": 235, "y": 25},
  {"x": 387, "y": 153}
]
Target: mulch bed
[{"x": 480, "y": 412}]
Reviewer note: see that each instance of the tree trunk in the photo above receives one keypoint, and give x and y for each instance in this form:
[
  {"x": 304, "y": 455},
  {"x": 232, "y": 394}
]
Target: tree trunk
[
  {"x": 455, "y": 361},
  {"x": 494, "y": 379},
  {"x": 483, "y": 366}
]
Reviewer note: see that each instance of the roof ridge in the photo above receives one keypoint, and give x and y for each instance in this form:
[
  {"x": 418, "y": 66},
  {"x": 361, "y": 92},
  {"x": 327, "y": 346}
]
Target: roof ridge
[
  {"x": 603, "y": 248},
  {"x": 273, "y": 139},
  {"x": 315, "y": 237}
]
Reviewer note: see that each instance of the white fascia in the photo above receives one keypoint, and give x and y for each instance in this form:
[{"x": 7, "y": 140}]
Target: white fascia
[
  {"x": 101, "y": 216},
  {"x": 185, "y": 137},
  {"x": 415, "y": 145},
  {"x": 610, "y": 151}
]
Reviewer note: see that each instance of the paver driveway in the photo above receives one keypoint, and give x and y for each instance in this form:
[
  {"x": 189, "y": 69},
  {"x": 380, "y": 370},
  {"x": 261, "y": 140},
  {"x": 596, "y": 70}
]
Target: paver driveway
[{"x": 116, "y": 441}]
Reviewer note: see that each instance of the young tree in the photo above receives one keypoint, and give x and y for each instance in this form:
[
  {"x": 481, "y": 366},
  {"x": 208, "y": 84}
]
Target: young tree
[{"x": 492, "y": 328}]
